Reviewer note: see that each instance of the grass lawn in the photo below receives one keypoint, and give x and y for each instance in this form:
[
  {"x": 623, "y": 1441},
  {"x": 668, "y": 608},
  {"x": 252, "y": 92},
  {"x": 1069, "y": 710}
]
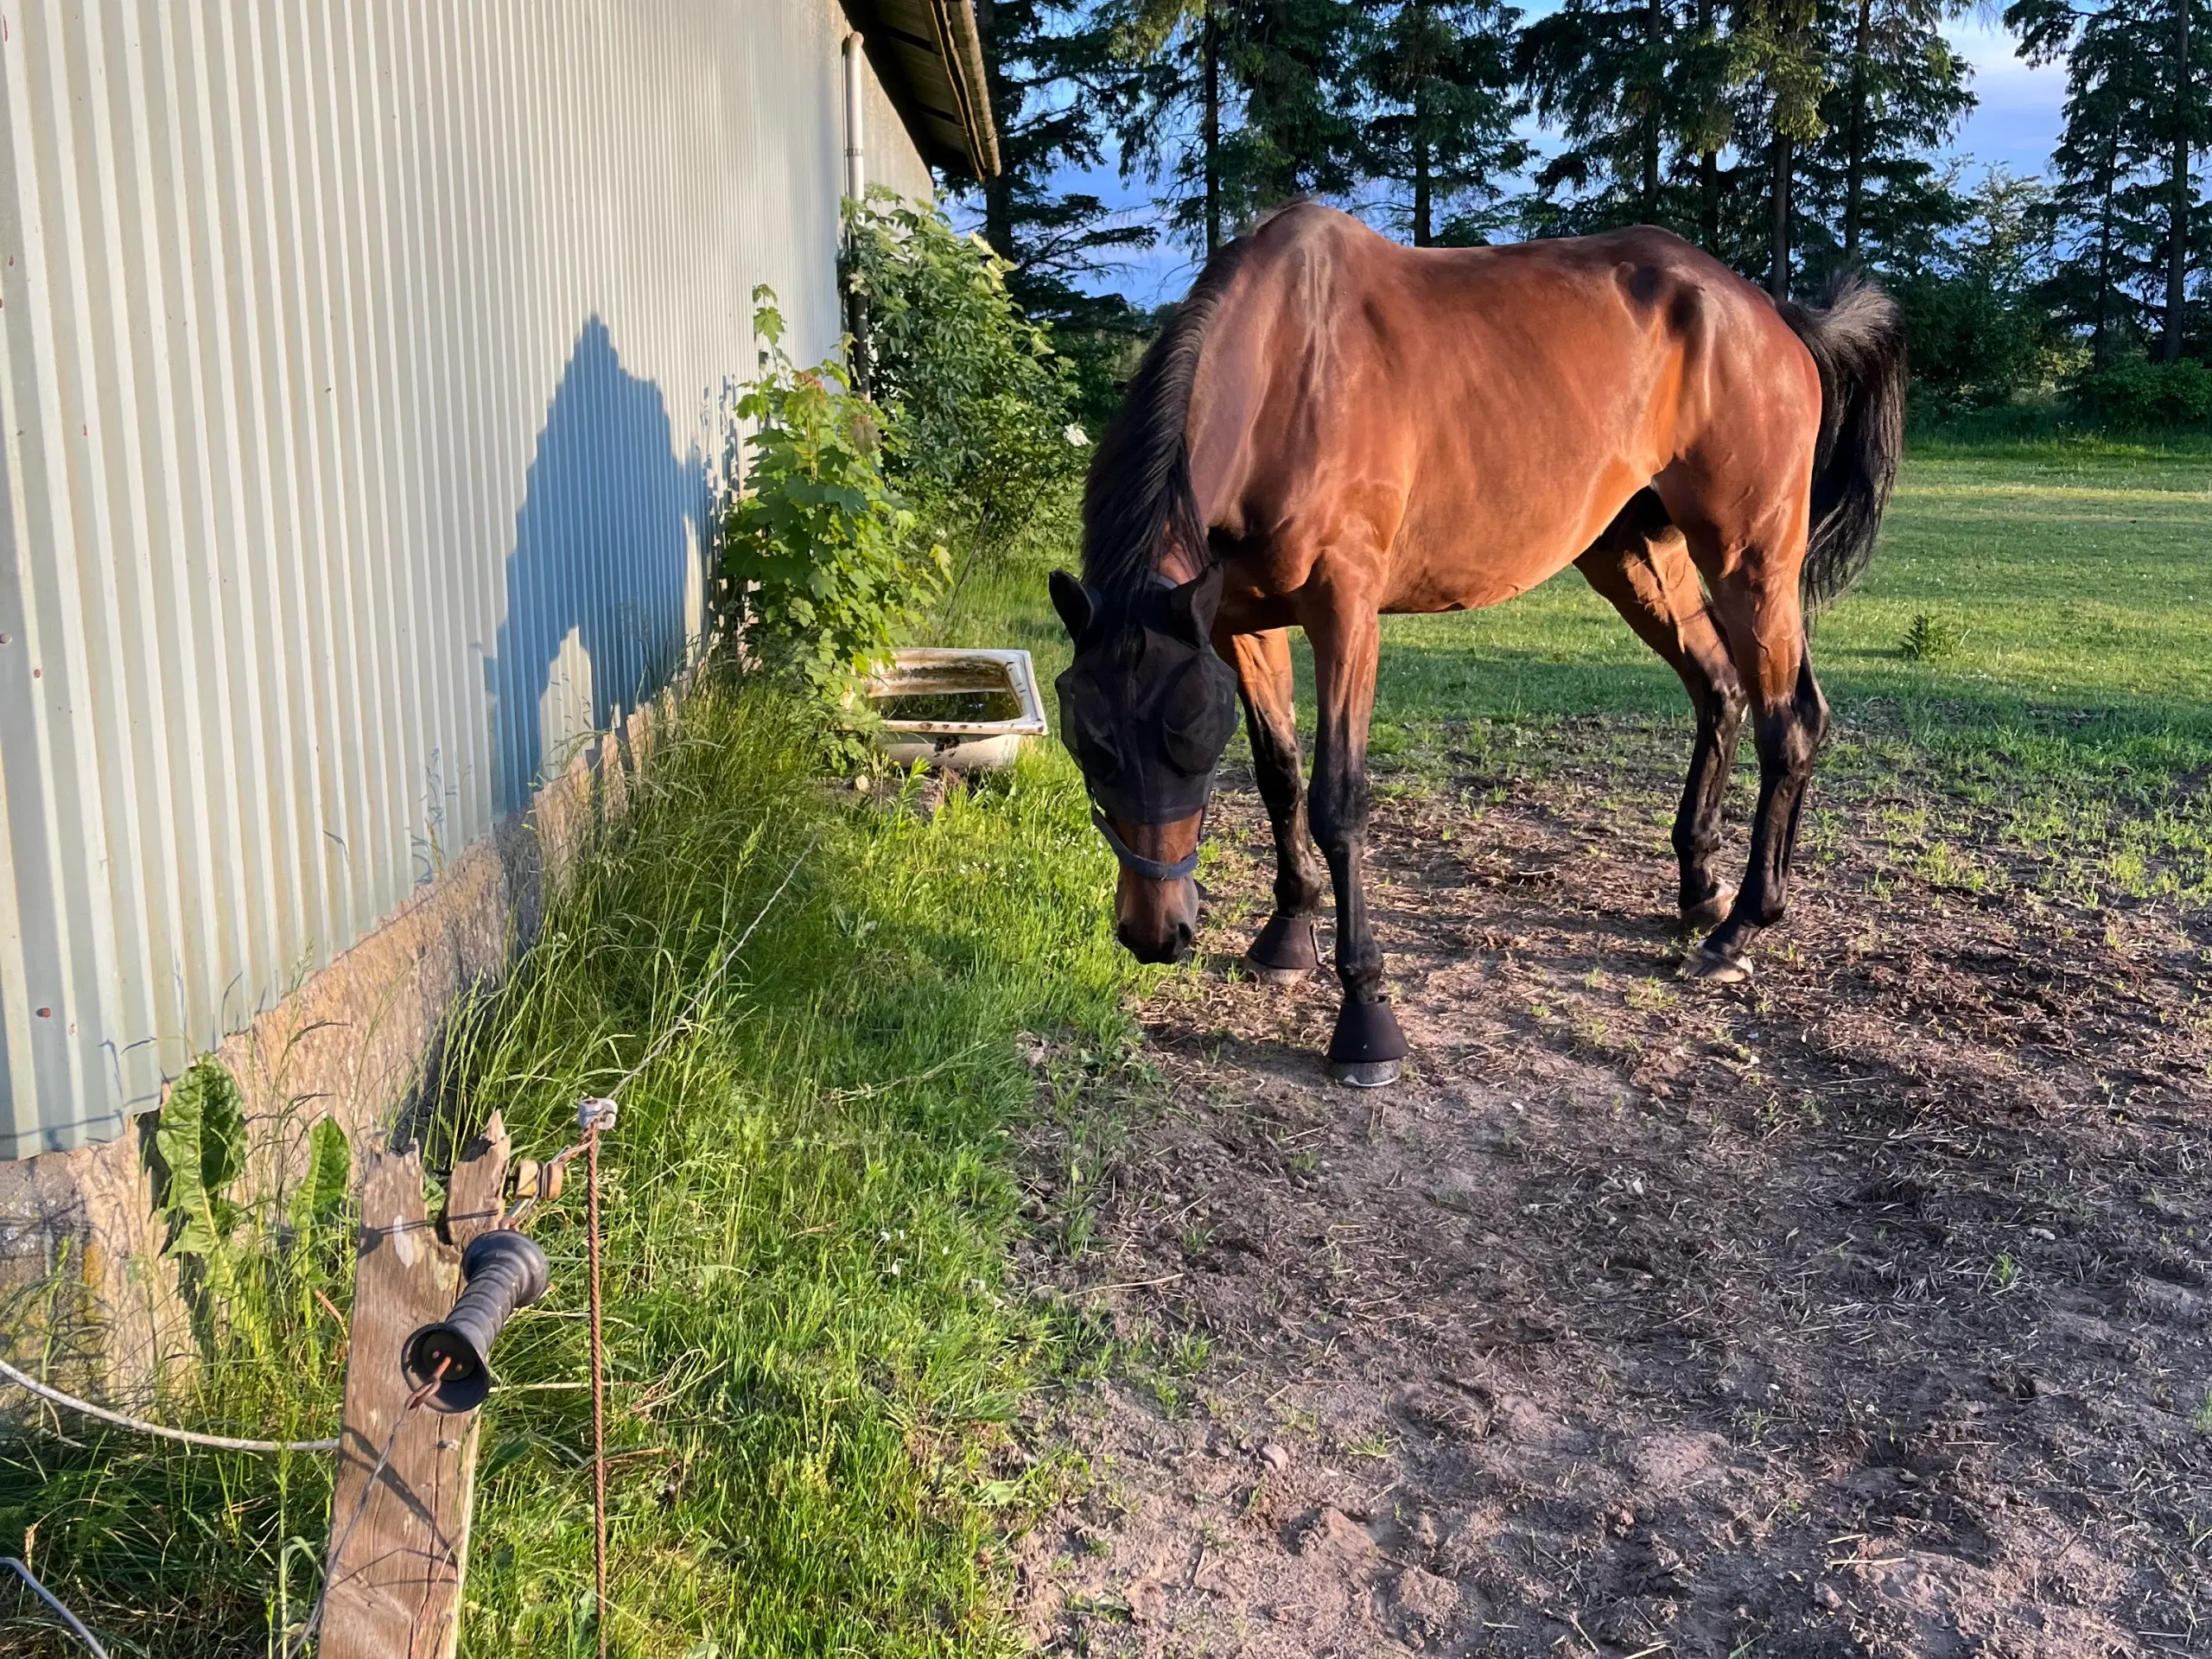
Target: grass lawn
[{"x": 810, "y": 1203}]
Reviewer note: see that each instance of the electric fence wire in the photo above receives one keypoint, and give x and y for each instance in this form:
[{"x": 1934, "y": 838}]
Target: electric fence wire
[
  {"x": 217, "y": 1442},
  {"x": 76, "y": 1624}
]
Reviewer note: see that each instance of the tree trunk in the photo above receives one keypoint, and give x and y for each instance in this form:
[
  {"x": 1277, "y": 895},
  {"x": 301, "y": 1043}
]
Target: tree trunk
[
  {"x": 1777, "y": 276},
  {"x": 1424, "y": 232},
  {"x": 1708, "y": 163},
  {"x": 1651, "y": 116},
  {"x": 1709, "y": 201},
  {"x": 2100, "y": 333},
  {"x": 1210, "y": 44},
  {"x": 1855, "y": 170},
  {"x": 2178, "y": 236}
]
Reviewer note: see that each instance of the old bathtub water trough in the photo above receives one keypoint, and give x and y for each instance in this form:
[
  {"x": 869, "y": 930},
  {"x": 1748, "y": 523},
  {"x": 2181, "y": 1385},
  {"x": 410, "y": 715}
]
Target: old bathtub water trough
[{"x": 960, "y": 709}]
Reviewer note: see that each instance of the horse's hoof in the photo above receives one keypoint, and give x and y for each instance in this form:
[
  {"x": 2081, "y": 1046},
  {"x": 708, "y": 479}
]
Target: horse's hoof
[
  {"x": 1715, "y": 968},
  {"x": 1365, "y": 1074},
  {"x": 1286, "y": 950},
  {"x": 1708, "y": 913},
  {"x": 1366, "y": 1051}
]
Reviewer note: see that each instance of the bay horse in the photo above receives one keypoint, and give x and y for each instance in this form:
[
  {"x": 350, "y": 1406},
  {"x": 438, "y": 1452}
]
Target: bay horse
[{"x": 1334, "y": 426}]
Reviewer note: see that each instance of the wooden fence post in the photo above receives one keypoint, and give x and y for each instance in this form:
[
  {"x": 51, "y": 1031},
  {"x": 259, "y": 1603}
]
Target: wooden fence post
[{"x": 398, "y": 1551}]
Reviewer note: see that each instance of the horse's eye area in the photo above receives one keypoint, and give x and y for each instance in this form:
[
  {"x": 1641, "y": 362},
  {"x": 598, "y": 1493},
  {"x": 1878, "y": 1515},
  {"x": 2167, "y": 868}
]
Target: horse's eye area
[
  {"x": 1199, "y": 719},
  {"x": 1086, "y": 729}
]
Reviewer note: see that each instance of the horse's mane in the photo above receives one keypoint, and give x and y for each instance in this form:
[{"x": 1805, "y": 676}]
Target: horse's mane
[{"x": 1139, "y": 496}]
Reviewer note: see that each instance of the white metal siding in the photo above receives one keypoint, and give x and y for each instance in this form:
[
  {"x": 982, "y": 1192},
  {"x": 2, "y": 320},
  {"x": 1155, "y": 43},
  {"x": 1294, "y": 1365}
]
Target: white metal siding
[{"x": 367, "y": 369}]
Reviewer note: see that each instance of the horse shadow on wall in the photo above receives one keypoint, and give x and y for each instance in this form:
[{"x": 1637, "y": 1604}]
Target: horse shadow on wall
[{"x": 605, "y": 582}]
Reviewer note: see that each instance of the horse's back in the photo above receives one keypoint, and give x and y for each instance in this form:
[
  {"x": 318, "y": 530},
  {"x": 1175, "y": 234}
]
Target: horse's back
[{"x": 1477, "y": 416}]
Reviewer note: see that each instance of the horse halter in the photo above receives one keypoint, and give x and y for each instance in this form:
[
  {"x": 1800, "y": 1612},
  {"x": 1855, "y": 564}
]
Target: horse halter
[{"x": 1135, "y": 861}]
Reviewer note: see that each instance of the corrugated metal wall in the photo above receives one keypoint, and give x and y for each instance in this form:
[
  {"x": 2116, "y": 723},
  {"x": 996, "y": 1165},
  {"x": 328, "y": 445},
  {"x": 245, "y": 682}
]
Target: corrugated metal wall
[{"x": 367, "y": 369}]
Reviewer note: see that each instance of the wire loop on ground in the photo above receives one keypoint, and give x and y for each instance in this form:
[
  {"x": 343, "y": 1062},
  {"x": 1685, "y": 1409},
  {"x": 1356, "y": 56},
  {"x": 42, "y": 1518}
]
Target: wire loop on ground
[{"x": 76, "y": 1624}]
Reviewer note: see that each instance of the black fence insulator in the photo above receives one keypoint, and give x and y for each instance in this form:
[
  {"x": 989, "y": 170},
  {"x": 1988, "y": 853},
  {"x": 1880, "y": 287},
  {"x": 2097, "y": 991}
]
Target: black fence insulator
[{"x": 502, "y": 1271}]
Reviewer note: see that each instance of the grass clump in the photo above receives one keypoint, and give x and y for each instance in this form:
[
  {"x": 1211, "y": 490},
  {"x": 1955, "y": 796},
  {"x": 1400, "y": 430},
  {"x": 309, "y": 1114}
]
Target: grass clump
[
  {"x": 807, "y": 1204},
  {"x": 1932, "y": 638}
]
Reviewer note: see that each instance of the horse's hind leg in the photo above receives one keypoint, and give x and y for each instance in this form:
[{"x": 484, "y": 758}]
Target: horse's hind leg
[
  {"x": 1754, "y": 579},
  {"x": 1641, "y": 563},
  {"x": 1286, "y": 948}
]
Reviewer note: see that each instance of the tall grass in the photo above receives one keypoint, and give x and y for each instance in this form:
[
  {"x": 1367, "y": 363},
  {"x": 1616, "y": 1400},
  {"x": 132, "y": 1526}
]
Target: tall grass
[{"x": 808, "y": 1205}]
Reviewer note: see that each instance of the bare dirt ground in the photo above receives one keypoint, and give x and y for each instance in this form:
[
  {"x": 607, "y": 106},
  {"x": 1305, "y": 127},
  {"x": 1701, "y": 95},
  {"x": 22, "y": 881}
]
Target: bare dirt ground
[{"x": 1865, "y": 1309}]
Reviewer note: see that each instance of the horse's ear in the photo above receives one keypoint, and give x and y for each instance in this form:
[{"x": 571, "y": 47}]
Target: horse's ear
[
  {"x": 1072, "y": 601},
  {"x": 1192, "y": 607}
]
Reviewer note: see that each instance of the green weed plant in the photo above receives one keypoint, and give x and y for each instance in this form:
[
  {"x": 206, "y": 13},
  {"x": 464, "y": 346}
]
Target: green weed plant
[{"x": 827, "y": 560}]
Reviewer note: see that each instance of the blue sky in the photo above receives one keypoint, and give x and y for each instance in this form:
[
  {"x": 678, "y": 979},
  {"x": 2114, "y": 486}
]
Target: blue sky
[{"x": 2014, "y": 126}]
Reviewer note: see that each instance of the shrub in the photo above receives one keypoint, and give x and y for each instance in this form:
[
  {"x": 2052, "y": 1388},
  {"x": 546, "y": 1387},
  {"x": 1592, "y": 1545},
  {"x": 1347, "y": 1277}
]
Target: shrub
[
  {"x": 2132, "y": 391},
  {"x": 826, "y": 557},
  {"x": 979, "y": 435},
  {"x": 1971, "y": 346}
]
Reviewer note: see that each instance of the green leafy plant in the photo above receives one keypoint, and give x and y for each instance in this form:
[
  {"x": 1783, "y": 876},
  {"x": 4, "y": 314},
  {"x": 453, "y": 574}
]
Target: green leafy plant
[
  {"x": 830, "y": 567},
  {"x": 320, "y": 1200},
  {"x": 1932, "y": 639},
  {"x": 980, "y": 435},
  {"x": 201, "y": 1139},
  {"x": 2133, "y": 392}
]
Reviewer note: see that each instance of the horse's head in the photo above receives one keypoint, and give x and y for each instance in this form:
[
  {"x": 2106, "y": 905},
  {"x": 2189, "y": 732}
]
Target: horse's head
[{"x": 1146, "y": 709}]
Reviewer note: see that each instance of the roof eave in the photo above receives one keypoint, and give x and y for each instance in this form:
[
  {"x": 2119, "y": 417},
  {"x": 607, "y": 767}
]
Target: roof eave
[{"x": 930, "y": 58}]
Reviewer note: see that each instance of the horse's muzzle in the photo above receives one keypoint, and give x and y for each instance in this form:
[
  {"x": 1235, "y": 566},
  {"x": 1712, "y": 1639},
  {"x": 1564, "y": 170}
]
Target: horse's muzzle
[
  {"x": 1156, "y": 921},
  {"x": 1173, "y": 945}
]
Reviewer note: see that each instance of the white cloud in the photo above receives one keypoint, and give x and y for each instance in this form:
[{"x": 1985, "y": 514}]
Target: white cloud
[{"x": 2017, "y": 121}]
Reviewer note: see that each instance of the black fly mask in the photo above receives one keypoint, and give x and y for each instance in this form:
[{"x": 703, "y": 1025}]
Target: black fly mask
[{"x": 1146, "y": 708}]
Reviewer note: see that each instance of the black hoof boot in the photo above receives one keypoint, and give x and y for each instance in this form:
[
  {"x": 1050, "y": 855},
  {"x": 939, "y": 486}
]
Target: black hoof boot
[
  {"x": 1365, "y": 1051},
  {"x": 1285, "y": 952}
]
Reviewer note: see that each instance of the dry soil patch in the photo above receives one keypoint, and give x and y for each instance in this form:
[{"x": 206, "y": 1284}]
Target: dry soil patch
[{"x": 1864, "y": 1309}]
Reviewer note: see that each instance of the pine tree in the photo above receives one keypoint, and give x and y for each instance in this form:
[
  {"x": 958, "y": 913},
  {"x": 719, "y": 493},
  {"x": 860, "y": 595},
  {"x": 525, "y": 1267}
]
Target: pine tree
[
  {"x": 1706, "y": 99},
  {"x": 1869, "y": 194},
  {"x": 1602, "y": 71},
  {"x": 1296, "y": 63},
  {"x": 1779, "y": 46},
  {"x": 1238, "y": 104},
  {"x": 1053, "y": 84},
  {"x": 1440, "y": 111},
  {"x": 2138, "y": 108},
  {"x": 1170, "y": 128},
  {"x": 1648, "y": 96}
]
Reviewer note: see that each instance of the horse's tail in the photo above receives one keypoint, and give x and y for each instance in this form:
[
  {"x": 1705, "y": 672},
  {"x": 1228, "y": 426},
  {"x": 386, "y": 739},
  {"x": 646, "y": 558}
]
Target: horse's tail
[
  {"x": 1857, "y": 338},
  {"x": 1139, "y": 495}
]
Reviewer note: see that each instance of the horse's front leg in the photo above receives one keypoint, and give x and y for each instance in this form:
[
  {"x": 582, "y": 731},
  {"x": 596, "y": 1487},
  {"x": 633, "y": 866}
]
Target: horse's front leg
[
  {"x": 1368, "y": 1045},
  {"x": 1285, "y": 950}
]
